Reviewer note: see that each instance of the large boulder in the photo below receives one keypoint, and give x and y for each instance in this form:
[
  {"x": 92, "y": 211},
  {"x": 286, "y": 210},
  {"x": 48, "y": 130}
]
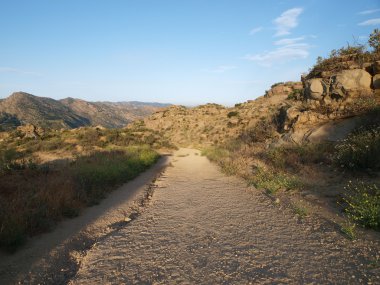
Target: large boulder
[
  {"x": 350, "y": 80},
  {"x": 314, "y": 89}
]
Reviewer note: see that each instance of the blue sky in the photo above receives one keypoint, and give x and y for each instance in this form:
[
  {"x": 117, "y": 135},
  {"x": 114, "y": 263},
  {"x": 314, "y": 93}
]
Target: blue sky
[{"x": 183, "y": 52}]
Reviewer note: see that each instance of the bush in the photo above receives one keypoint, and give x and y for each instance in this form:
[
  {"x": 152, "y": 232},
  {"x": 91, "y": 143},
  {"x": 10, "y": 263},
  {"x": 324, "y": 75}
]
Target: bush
[
  {"x": 272, "y": 181},
  {"x": 215, "y": 154},
  {"x": 262, "y": 131},
  {"x": 232, "y": 114},
  {"x": 276, "y": 84},
  {"x": 94, "y": 174},
  {"x": 338, "y": 59},
  {"x": 374, "y": 40},
  {"x": 32, "y": 200},
  {"x": 363, "y": 204},
  {"x": 361, "y": 150},
  {"x": 295, "y": 95},
  {"x": 295, "y": 157}
]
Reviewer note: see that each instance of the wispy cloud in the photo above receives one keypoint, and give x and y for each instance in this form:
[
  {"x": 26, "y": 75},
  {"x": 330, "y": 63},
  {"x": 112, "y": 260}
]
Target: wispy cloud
[
  {"x": 18, "y": 71},
  {"x": 370, "y": 22},
  {"x": 288, "y": 20},
  {"x": 255, "y": 30},
  {"x": 367, "y": 12},
  {"x": 288, "y": 41},
  {"x": 221, "y": 69},
  {"x": 279, "y": 55}
]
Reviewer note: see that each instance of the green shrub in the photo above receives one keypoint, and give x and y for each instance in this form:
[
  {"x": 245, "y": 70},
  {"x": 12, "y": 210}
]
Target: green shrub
[
  {"x": 362, "y": 204},
  {"x": 348, "y": 229},
  {"x": 232, "y": 114},
  {"x": 276, "y": 84},
  {"x": 272, "y": 181},
  {"x": 215, "y": 154},
  {"x": 296, "y": 156},
  {"x": 10, "y": 159},
  {"x": 361, "y": 150},
  {"x": 96, "y": 173},
  {"x": 295, "y": 95},
  {"x": 263, "y": 130},
  {"x": 374, "y": 40}
]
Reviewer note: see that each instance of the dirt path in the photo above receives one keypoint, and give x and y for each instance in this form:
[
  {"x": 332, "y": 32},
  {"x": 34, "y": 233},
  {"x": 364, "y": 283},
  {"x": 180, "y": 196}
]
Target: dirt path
[
  {"x": 52, "y": 258},
  {"x": 202, "y": 227}
]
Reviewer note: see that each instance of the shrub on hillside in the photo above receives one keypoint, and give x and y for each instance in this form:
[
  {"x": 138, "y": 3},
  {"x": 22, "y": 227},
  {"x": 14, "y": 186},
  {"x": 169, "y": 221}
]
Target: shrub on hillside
[
  {"x": 263, "y": 130},
  {"x": 374, "y": 40},
  {"x": 360, "y": 150},
  {"x": 357, "y": 53},
  {"x": 273, "y": 181},
  {"x": 362, "y": 204},
  {"x": 232, "y": 114},
  {"x": 295, "y": 156}
]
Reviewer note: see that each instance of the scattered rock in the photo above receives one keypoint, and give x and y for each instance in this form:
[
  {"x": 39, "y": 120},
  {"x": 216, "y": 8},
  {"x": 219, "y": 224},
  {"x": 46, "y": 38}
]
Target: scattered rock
[{"x": 314, "y": 89}]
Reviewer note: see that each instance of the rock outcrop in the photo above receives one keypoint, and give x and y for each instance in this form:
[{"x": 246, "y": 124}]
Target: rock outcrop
[
  {"x": 286, "y": 88},
  {"x": 333, "y": 96},
  {"x": 31, "y": 131}
]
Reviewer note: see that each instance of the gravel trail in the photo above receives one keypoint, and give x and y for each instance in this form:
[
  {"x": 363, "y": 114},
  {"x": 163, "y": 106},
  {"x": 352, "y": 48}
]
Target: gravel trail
[{"x": 202, "y": 227}]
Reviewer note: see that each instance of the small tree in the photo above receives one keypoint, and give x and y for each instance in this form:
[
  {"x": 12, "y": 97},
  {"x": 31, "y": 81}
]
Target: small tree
[{"x": 374, "y": 40}]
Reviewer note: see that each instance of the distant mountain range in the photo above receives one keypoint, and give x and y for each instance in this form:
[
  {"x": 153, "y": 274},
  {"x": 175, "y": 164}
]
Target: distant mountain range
[{"x": 22, "y": 108}]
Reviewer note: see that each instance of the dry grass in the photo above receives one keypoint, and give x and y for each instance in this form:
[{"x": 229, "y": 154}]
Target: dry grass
[{"x": 35, "y": 196}]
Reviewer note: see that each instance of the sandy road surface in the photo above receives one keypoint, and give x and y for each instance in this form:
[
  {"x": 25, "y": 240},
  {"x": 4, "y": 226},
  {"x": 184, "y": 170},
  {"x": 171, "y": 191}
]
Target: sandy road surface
[{"x": 202, "y": 227}]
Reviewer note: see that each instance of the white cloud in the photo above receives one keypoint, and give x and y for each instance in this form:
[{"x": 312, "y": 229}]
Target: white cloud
[
  {"x": 281, "y": 55},
  {"x": 255, "y": 30},
  {"x": 221, "y": 69},
  {"x": 370, "y": 22},
  {"x": 18, "y": 71},
  {"x": 367, "y": 12},
  {"x": 288, "y": 20},
  {"x": 288, "y": 41}
]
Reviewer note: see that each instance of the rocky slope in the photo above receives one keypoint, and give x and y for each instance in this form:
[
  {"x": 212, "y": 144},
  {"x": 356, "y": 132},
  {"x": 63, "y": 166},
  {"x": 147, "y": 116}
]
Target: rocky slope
[
  {"x": 22, "y": 108},
  {"x": 291, "y": 111},
  {"x": 215, "y": 124},
  {"x": 45, "y": 112}
]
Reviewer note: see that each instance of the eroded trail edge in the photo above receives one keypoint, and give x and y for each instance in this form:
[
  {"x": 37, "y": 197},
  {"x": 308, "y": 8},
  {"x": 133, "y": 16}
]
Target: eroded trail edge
[
  {"x": 55, "y": 257},
  {"x": 202, "y": 227}
]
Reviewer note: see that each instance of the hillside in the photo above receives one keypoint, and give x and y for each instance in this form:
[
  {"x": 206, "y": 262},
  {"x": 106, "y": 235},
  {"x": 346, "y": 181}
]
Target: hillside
[
  {"x": 213, "y": 124},
  {"x": 22, "y": 108},
  {"x": 45, "y": 112},
  {"x": 302, "y": 142}
]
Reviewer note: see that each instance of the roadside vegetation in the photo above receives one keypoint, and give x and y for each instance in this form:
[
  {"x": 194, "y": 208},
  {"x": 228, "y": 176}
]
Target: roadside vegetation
[
  {"x": 264, "y": 157},
  {"x": 36, "y": 194}
]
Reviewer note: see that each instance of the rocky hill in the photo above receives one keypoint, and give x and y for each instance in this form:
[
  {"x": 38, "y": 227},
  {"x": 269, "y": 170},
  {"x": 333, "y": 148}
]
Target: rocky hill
[
  {"x": 111, "y": 114},
  {"x": 309, "y": 110},
  {"x": 22, "y": 108},
  {"x": 211, "y": 123},
  {"x": 41, "y": 111}
]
